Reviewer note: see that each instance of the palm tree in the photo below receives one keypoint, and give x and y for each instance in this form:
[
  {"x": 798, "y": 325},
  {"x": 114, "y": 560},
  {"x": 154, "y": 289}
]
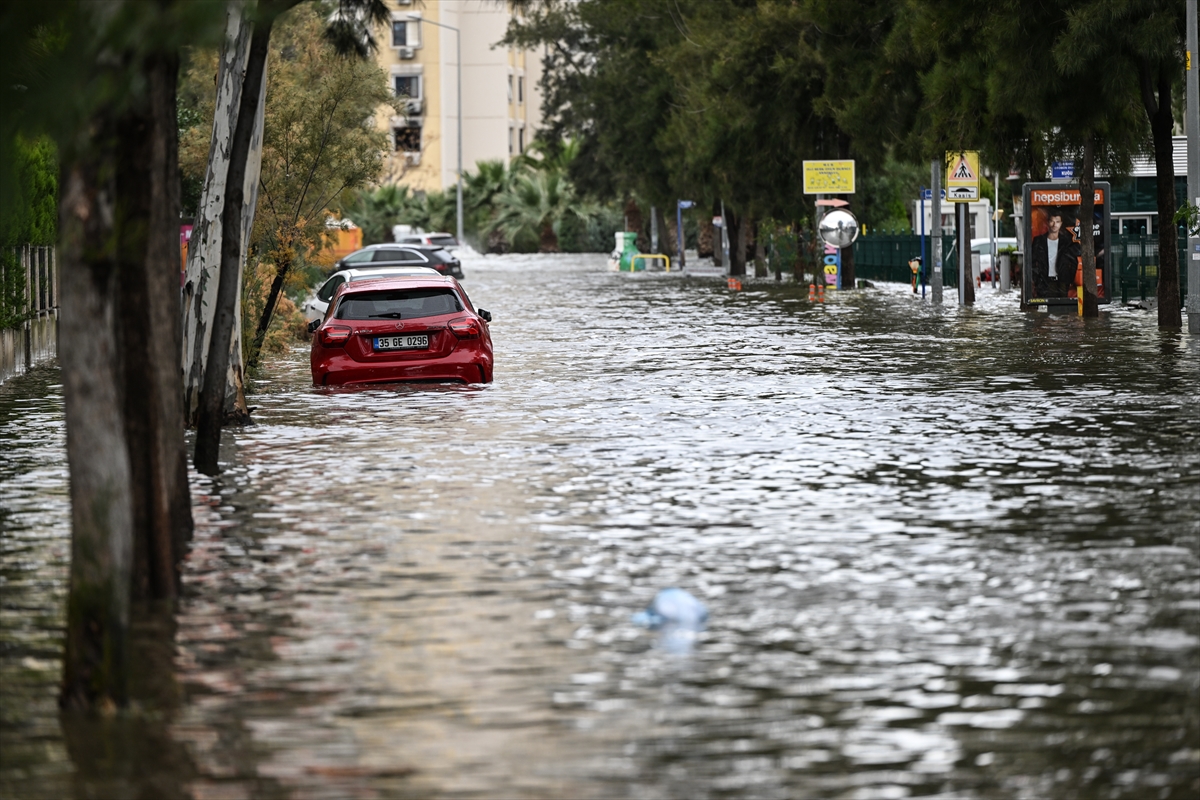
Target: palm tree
[
  {"x": 377, "y": 210},
  {"x": 533, "y": 206}
]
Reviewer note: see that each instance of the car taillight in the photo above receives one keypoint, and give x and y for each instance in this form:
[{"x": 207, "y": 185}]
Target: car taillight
[
  {"x": 465, "y": 328},
  {"x": 334, "y": 335}
]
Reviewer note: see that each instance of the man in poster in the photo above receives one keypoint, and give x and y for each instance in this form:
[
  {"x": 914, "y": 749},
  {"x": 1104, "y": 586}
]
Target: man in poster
[{"x": 1055, "y": 256}]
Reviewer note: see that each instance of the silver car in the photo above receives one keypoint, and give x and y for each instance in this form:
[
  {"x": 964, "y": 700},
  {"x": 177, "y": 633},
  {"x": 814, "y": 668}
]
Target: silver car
[{"x": 316, "y": 306}]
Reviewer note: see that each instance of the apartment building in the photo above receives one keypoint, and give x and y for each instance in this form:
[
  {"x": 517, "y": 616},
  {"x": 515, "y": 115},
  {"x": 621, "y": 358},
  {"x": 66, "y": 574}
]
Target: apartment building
[{"x": 501, "y": 100}]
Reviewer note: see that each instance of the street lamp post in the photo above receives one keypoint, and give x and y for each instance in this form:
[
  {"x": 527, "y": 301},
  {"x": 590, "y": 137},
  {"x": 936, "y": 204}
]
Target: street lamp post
[{"x": 458, "y": 51}]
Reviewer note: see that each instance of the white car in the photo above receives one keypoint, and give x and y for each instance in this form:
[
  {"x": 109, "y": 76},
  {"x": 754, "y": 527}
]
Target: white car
[
  {"x": 984, "y": 248},
  {"x": 316, "y": 306},
  {"x": 438, "y": 239}
]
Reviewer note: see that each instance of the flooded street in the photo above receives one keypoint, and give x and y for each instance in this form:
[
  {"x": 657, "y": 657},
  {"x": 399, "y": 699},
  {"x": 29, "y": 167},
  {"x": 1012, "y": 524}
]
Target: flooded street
[{"x": 946, "y": 553}]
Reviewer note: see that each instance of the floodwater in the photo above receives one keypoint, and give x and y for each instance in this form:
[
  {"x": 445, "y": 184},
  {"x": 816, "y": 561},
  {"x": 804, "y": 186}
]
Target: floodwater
[{"x": 946, "y": 553}]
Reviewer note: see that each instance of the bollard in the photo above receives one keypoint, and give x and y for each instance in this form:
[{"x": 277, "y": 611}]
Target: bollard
[
  {"x": 820, "y": 293},
  {"x": 812, "y": 292},
  {"x": 735, "y": 284}
]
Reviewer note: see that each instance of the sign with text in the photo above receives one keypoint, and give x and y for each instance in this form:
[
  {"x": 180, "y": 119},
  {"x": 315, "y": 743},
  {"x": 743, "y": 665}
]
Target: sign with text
[
  {"x": 1053, "y": 256},
  {"x": 829, "y": 177},
  {"x": 962, "y": 176},
  {"x": 833, "y": 266}
]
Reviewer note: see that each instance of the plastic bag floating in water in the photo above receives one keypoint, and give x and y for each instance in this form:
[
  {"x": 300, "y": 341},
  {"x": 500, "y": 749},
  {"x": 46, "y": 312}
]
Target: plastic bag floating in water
[{"x": 673, "y": 608}]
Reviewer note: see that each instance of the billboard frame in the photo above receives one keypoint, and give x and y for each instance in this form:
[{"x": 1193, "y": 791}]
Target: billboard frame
[{"x": 1103, "y": 241}]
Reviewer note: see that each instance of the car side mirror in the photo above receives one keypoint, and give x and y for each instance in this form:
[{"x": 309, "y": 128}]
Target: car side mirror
[
  {"x": 485, "y": 315},
  {"x": 312, "y": 326}
]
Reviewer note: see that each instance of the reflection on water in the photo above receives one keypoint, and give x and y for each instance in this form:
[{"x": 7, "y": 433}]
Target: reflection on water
[{"x": 948, "y": 553}]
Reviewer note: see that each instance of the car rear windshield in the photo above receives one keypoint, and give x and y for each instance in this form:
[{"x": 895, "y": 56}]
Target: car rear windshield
[
  {"x": 399, "y": 304},
  {"x": 443, "y": 241},
  {"x": 441, "y": 256}
]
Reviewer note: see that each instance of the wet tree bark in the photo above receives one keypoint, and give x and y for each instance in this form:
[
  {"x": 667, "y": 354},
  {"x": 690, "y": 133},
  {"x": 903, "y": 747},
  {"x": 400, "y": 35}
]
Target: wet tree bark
[
  {"x": 97, "y": 641},
  {"x": 1162, "y": 124},
  {"x": 150, "y": 330},
  {"x": 1087, "y": 238},
  {"x": 119, "y": 337},
  {"x": 210, "y": 415},
  {"x": 204, "y": 253},
  {"x": 706, "y": 236}
]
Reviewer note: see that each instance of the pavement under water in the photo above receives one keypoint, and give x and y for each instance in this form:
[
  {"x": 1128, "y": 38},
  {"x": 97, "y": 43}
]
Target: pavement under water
[{"x": 946, "y": 553}]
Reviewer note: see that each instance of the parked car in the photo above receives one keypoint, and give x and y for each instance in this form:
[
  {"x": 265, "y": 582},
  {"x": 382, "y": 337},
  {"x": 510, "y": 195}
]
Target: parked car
[
  {"x": 406, "y": 255},
  {"x": 436, "y": 239},
  {"x": 406, "y": 328},
  {"x": 984, "y": 248},
  {"x": 316, "y": 306}
]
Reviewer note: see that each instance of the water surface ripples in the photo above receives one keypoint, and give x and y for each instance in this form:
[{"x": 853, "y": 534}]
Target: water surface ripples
[{"x": 947, "y": 553}]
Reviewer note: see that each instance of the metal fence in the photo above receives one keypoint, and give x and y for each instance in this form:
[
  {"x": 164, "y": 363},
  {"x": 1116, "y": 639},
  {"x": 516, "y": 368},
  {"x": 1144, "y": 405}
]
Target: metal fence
[
  {"x": 885, "y": 257},
  {"x": 28, "y": 308}
]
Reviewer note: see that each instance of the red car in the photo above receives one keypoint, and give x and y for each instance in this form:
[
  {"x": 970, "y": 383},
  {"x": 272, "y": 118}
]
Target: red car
[{"x": 411, "y": 328}]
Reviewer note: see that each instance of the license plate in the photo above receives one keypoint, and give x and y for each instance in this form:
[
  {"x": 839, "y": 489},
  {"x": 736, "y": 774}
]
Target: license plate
[{"x": 410, "y": 342}]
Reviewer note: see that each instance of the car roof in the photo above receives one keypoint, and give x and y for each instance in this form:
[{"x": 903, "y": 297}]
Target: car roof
[
  {"x": 385, "y": 245},
  {"x": 363, "y": 273},
  {"x": 399, "y": 282}
]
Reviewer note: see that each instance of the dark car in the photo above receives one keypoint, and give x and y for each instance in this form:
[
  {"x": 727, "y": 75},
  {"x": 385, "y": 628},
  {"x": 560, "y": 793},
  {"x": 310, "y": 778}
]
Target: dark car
[
  {"x": 409, "y": 328},
  {"x": 403, "y": 255}
]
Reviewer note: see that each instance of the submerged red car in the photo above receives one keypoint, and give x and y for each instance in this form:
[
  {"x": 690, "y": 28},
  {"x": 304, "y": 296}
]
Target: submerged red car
[{"x": 411, "y": 328}]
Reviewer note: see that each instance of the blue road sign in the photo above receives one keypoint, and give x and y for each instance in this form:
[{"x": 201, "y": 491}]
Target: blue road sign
[
  {"x": 927, "y": 194},
  {"x": 1062, "y": 170}
]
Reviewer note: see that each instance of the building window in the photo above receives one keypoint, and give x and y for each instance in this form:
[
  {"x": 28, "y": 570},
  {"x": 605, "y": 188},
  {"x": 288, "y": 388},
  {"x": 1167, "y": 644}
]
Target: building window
[
  {"x": 520, "y": 89},
  {"x": 521, "y": 140},
  {"x": 510, "y": 77},
  {"x": 406, "y": 33},
  {"x": 408, "y": 138},
  {"x": 510, "y": 141},
  {"x": 408, "y": 86}
]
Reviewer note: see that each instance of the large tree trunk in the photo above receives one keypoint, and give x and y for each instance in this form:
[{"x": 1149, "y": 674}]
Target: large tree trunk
[
  {"x": 1162, "y": 125},
  {"x": 634, "y": 224},
  {"x": 97, "y": 641},
  {"x": 210, "y": 413},
  {"x": 204, "y": 252},
  {"x": 150, "y": 333},
  {"x": 1087, "y": 238}
]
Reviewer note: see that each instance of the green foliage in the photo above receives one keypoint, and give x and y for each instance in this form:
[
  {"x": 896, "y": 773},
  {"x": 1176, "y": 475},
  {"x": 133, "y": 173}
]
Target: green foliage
[
  {"x": 29, "y": 215},
  {"x": 376, "y": 210}
]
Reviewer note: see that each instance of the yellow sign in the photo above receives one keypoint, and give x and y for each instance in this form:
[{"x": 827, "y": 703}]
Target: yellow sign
[
  {"x": 829, "y": 177},
  {"x": 962, "y": 176}
]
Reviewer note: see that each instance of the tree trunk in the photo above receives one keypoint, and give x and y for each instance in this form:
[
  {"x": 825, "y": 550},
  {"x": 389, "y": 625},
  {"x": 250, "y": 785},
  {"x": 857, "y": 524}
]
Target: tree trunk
[
  {"x": 1087, "y": 238},
  {"x": 670, "y": 236},
  {"x": 147, "y": 185},
  {"x": 204, "y": 252},
  {"x": 705, "y": 238},
  {"x": 210, "y": 413},
  {"x": 282, "y": 268},
  {"x": 736, "y": 225},
  {"x": 634, "y": 224},
  {"x": 97, "y": 640},
  {"x": 1162, "y": 125},
  {"x": 548, "y": 239}
]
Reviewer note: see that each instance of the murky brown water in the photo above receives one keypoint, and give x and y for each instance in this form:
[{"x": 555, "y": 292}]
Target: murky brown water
[{"x": 947, "y": 554}]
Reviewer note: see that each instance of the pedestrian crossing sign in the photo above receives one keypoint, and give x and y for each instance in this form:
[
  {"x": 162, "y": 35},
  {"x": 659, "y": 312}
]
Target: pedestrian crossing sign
[{"x": 962, "y": 176}]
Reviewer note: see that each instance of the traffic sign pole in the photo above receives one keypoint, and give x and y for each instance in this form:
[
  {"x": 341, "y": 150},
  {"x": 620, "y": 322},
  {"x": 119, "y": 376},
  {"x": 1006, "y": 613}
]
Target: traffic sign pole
[{"x": 935, "y": 213}]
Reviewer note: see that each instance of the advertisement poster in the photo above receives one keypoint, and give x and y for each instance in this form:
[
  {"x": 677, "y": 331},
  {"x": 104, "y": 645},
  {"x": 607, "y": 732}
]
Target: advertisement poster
[{"x": 1051, "y": 271}]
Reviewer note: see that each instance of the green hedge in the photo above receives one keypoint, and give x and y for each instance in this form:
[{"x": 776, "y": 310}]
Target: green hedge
[{"x": 28, "y": 215}]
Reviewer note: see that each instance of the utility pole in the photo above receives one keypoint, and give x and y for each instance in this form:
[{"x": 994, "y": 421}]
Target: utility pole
[
  {"x": 935, "y": 227},
  {"x": 1192, "y": 124}
]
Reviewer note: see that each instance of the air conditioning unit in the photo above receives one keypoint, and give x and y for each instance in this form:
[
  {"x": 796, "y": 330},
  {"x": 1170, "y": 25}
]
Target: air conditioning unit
[
  {"x": 413, "y": 107},
  {"x": 412, "y": 159},
  {"x": 406, "y": 53}
]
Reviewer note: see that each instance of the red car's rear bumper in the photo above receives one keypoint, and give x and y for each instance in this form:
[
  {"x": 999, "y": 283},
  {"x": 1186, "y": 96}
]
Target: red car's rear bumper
[{"x": 335, "y": 368}]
